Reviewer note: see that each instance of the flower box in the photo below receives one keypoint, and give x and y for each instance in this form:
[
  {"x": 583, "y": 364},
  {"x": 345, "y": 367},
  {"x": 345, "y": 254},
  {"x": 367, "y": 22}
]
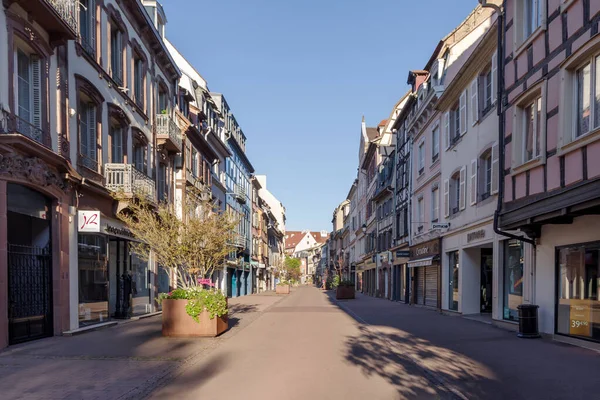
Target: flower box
[
  {"x": 344, "y": 292},
  {"x": 177, "y": 323},
  {"x": 282, "y": 289}
]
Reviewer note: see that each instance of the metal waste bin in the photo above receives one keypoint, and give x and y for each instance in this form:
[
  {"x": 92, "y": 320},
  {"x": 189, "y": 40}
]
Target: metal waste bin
[{"x": 528, "y": 321}]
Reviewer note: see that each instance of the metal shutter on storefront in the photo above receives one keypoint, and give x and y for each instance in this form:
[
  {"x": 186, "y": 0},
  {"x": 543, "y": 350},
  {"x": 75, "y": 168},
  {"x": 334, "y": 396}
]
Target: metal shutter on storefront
[
  {"x": 431, "y": 286},
  {"x": 420, "y": 285}
]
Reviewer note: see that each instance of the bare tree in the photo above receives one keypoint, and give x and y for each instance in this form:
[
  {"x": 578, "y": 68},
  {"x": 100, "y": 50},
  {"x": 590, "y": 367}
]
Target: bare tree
[{"x": 189, "y": 248}]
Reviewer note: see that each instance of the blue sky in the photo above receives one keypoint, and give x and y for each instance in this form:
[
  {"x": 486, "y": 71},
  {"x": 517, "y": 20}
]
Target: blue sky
[{"x": 300, "y": 74}]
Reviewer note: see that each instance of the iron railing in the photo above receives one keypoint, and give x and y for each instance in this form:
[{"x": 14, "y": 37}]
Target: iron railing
[
  {"x": 166, "y": 127},
  {"x": 125, "y": 178},
  {"x": 67, "y": 9},
  {"x": 237, "y": 240},
  {"x": 13, "y": 124}
]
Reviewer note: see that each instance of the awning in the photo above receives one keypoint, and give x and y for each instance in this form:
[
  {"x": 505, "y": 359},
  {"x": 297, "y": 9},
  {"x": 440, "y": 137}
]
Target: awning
[{"x": 423, "y": 262}]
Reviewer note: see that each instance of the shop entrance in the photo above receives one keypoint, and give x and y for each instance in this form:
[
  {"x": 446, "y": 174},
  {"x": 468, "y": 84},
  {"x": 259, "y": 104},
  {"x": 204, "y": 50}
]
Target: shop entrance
[
  {"x": 29, "y": 265},
  {"x": 120, "y": 278},
  {"x": 487, "y": 271}
]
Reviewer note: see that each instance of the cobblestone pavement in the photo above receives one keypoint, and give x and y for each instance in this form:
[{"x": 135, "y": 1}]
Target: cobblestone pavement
[{"x": 121, "y": 362}]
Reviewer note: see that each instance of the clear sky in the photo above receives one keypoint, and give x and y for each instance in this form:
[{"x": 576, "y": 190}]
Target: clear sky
[{"x": 300, "y": 74}]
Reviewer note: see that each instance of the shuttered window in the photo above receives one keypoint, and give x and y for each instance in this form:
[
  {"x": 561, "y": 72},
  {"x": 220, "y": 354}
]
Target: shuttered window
[
  {"x": 462, "y": 195},
  {"x": 473, "y": 182},
  {"x": 446, "y": 198},
  {"x": 474, "y": 102},
  {"x": 463, "y": 113},
  {"x": 495, "y": 172}
]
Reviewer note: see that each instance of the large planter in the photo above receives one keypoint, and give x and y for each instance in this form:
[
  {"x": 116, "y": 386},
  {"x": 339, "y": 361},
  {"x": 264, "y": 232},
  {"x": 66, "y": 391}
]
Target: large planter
[
  {"x": 176, "y": 321},
  {"x": 344, "y": 292},
  {"x": 282, "y": 289}
]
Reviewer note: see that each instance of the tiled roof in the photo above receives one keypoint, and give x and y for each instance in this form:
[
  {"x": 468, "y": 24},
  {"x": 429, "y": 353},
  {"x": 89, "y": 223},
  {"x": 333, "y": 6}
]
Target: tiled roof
[
  {"x": 292, "y": 238},
  {"x": 383, "y": 122},
  {"x": 372, "y": 133}
]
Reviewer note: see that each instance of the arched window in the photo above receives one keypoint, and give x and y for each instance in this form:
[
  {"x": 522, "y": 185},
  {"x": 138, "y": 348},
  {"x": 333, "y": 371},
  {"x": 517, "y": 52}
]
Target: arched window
[{"x": 89, "y": 114}]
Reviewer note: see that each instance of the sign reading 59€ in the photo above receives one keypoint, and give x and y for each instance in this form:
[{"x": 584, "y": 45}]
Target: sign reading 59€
[{"x": 88, "y": 221}]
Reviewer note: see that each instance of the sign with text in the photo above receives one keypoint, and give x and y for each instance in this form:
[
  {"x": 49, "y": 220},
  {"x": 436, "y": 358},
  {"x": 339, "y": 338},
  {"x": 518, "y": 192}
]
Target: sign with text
[
  {"x": 579, "y": 318},
  {"x": 477, "y": 235},
  {"x": 402, "y": 253},
  {"x": 88, "y": 221},
  {"x": 440, "y": 225}
]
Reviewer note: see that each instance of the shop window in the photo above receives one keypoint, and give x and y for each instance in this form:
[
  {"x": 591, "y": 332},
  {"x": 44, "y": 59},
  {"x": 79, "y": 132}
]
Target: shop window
[
  {"x": 578, "y": 274},
  {"x": 513, "y": 278},
  {"x": 93, "y": 279}
]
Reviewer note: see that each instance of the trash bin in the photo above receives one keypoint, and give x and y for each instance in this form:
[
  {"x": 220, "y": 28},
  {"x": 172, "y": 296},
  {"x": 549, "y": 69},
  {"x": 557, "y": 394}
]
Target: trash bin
[{"x": 528, "y": 321}]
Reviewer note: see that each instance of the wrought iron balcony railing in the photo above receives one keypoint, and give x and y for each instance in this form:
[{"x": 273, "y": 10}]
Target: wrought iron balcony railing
[
  {"x": 237, "y": 240},
  {"x": 11, "y": 123},
  {"x": 67, "y": 10},
  {"x": 168, "y": 133},
  {"x": 125, "y": 178}
]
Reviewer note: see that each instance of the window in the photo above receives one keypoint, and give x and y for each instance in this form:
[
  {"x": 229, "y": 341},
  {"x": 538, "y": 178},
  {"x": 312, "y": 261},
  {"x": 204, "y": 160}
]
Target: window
[
  {"x": 421, "y": 157},
  {"x": 513, "y": 278},
  {"x": 435, "y": 205},
  {"x": 532, "y": 115},
  {"x": 88, "y": 142},
  {"x": 587, "y": 98},
  {"x": 162, "y": 100},
  {"x": 87, "y": 26},
  {"x": 194, "y": 161},
  {"x": 420, "y": 214},
  {"x": 140, "y": 156},
  {"x": 163, "y": 187},
  {"x": 455, "y": 193},
  {"x": 435, "y": 143},
  {"x": 138, "y": 80},
  {"x": 116, "y": 144},
  {"x": 29, "y": 88},
  {"x": 455, "y": 121},
  {"x": 532, "y": 14},
  {"x": 116, "y": 54}
]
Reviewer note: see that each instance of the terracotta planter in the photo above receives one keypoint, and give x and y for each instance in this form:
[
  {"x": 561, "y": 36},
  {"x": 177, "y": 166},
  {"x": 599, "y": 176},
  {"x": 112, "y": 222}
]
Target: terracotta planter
[
  {"x": 282, "y": 289},
  {"x": 176, "y": 321},
  {"x": 344, "y": 292}
]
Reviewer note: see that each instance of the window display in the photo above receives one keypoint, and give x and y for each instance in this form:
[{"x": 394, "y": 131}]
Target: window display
[
  {"x": 513, "y": 278},
  {"x": 577, "y": 290},
  {"x": 140, "y": 285}
]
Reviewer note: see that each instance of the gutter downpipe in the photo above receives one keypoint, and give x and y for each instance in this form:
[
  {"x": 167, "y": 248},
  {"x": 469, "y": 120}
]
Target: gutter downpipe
[{"x": 500, "y": 83}]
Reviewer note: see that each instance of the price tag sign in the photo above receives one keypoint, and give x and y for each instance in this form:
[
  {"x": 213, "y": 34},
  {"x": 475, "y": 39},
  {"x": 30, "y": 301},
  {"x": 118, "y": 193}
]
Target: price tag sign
[
  {"x": 88, "y": 221},
  {"x": 579, "y": 319}
]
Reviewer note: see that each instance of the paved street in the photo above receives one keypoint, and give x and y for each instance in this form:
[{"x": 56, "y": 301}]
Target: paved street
[{"x": 304, "y": 346}]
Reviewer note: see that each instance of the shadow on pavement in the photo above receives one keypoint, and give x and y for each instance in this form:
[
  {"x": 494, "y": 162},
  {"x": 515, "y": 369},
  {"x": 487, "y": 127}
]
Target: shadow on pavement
[
  {"x": 480, "y": 360},
  {"x": 242, "y": 308}
]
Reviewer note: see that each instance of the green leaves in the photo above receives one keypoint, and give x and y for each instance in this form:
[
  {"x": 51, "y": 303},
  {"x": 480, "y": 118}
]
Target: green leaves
[{"x": 200, "y": 299}]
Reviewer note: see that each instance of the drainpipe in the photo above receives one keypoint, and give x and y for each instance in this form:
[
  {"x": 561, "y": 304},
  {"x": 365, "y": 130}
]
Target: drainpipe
[{"x": 500, "y": 87}]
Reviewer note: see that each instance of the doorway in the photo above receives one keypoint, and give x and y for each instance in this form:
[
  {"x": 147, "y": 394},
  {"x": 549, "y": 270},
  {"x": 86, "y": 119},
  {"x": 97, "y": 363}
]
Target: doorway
[
  {"x": 453, "y": 273},
  {"x": 120, "y": 279},
  {"x": 487, "y": 270},
  {"x": 29, "y": 265}
]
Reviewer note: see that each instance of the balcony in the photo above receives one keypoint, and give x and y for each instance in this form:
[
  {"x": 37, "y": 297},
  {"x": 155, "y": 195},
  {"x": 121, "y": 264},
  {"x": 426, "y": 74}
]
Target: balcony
[
  {"x": 168, "y": 133},
  {"x": 240, "y": 194},
  {"x": 57, "y": 17},
  {"x": 238, "y": 241},
  {"x": 11, "y": 124},
  {"x": 128, "y": 180}
]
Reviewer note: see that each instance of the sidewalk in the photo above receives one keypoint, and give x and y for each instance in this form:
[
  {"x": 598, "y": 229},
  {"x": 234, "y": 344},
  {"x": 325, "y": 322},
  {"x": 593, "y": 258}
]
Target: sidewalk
[
  {"x": 120, "y": 362},
  {"x": 475, "y": 360}
]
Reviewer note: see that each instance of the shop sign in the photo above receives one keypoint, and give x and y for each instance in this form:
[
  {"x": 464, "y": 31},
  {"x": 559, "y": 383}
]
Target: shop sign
[
  {"x": 579, "y": 318},
  {"x": 440, "y": 225},
  {"x": 88, "y": 221},
  {"x": 205, "y": 281},
  {"x": 477, "y": 235},
  {"x": 427, "y": 249},
  {"x": 402, "y": 253},
  {"x": 118, "y": 231}
]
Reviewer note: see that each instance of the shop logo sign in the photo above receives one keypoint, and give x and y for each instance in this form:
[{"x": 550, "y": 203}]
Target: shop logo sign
[
  {"x": 477, "y": 235},
  {"x": 88, "y": 221}
]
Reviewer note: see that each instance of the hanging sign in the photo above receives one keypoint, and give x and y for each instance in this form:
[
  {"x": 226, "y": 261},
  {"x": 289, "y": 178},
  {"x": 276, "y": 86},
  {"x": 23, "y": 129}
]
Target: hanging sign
[{"x": 88, "y": 221}]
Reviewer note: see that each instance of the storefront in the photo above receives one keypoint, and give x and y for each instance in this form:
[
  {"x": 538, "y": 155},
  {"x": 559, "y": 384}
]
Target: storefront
[
  {"x": 114, "y": 281},
  {"x": 370, "y": 277},
  {"x": 468, "y": 269},
  {"x": 424, "y": 264},
  {"x": 359, "y": 276},
  {"x": 400, "y": 276},
  {"x": 384, "y": 275}
]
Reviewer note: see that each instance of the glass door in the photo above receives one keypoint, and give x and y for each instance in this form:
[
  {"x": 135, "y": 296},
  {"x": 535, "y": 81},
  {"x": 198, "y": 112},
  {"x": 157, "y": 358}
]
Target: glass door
[{"x": 453, "y": 271}]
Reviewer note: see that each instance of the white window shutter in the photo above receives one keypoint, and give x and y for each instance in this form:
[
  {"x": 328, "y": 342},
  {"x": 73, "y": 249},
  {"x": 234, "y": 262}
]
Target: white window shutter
[
  {"x": 463, "y": 113},
  {"x": 447, "y": 130},
  {"x": 446, "y": 198},
  {"x": 474, "y": 102},
  {"x": 463, "y": 187},
  {"x": 495, "y": 171},
  {"x": 493, "y": 76},
  {"x": 473, "y": 182},
  {"x": 36, "y": 84},
  {"x": 92, "y": 141}
]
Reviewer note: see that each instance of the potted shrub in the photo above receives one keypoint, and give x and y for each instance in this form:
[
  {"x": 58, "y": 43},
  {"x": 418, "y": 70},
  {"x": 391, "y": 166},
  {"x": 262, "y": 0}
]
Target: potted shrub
[
  {"x": 283, "y": 287},
  {"x": 344, "y": 290},
  {"x": 194, "y": 312},
  {"x": 189, "y": 248}
]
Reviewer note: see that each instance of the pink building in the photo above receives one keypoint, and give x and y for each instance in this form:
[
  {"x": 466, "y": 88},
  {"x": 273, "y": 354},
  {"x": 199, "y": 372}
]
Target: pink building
[{"x": 551, "y": 161}]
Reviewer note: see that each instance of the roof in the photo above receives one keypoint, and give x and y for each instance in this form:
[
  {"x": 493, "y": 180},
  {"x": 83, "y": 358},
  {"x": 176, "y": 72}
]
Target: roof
[
  {"x": 382, "y": 123},
  {"x": 292, "y": 238},
  {"x": 372, "y": 133}
]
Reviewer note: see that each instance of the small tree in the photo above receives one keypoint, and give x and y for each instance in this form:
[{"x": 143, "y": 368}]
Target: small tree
[
  {"x": 189, "y": 248},
  {"x": 292, "y": 267}
]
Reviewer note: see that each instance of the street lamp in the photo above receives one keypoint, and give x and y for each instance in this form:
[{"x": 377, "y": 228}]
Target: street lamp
[{"x": 364, "y": 228}]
